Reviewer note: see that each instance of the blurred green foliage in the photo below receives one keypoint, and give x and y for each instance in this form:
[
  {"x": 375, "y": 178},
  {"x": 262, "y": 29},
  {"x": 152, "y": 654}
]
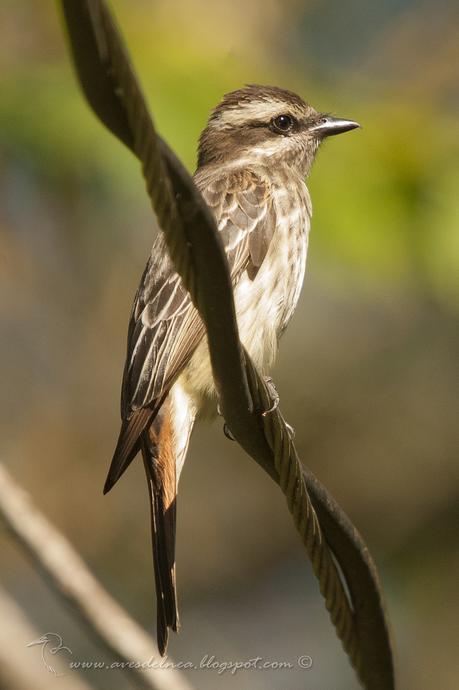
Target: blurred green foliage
[{"x": 383, "y": 198}]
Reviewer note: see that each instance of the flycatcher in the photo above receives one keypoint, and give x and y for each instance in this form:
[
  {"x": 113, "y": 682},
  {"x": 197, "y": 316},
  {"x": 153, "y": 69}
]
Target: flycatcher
[{"x": 254, "y": 155}]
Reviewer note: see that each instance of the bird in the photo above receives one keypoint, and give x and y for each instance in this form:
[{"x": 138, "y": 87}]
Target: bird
[
  {"x": 254, "y": 157},
  {"x": 53, "y": 643}
]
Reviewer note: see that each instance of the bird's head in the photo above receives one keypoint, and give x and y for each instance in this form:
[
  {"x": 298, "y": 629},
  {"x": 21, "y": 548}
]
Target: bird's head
[
  {"x": 44, "y": 639},
  {"x": 48, "y": 639},
  {"x": 266, "y": 125}
]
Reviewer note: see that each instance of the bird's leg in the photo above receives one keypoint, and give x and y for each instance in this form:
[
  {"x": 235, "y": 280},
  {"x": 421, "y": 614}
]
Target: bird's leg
[
  {"x": 275, "y": 404},
  {"x": 227, "y": 432},
  {"x": 290, "y": 429},
  {"x": 226, "y": 429},
  {"x": 273, "y": 394}
]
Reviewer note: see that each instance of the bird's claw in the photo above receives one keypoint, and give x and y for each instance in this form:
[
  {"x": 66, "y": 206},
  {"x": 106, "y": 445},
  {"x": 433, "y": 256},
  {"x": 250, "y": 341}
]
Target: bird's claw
[
  {"x": 290, "y": 429},
  {"x": 274, "y": 396},
  {"x": 226, "y": 429},
  {"x": 275, "y": 399},
  {"x": 227, "y": 432}
]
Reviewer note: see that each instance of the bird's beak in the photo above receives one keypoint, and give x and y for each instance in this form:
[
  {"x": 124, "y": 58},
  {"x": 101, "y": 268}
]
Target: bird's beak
[{"x": 328, "y": 126}]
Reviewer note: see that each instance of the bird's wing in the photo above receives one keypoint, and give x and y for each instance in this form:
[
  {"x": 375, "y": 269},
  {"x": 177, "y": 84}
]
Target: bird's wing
[
  {"x": 165, "y": 327},
  {"x": 242, "y": 204}
]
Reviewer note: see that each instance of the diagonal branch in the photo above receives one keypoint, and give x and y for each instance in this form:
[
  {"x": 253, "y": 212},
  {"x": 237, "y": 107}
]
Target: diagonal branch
[
  {"x": 14, "y": 637},
  {"x": 112, "y": 90},
  {"x": 68, "y": 575}
]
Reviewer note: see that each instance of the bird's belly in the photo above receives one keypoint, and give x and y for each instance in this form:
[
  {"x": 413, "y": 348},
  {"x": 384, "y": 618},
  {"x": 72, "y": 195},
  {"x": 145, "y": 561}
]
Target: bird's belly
[{"x": 264, "y": 306}]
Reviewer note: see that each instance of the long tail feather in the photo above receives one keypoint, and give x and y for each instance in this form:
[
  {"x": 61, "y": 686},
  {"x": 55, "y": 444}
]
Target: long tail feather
[{"x": 159, "y": 461}]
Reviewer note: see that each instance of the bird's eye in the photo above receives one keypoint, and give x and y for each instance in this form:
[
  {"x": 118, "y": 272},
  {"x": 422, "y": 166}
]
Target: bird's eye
[{"x": 283, "y": 123}]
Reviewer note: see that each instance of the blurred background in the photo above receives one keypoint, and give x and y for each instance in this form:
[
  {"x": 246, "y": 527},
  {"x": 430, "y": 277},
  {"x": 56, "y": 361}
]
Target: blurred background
[{"x": 367, "y": 372}]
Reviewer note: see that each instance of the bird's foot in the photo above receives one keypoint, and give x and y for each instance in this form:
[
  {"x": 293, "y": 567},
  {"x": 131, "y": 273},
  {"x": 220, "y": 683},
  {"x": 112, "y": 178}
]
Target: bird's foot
[
  {"x": 290, "y": 429},
  {"x": 227, "y": 432},
  {"x": 226, "y": 429},
  {"x": 273, "y": 394}
]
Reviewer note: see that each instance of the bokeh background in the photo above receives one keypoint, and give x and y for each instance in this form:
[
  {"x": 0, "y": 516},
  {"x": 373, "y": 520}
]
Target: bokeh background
[{"x": 367, "y": 372}]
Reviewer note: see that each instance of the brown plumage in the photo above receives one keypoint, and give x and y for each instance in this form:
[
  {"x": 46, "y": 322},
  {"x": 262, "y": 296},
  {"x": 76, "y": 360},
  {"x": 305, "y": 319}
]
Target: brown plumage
[{"x": 254, "y": 155}]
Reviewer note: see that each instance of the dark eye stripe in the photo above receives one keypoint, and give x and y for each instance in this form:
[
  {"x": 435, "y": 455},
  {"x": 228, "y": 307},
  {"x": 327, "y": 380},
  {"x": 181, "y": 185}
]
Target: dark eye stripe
[
  {"x": 288, "y": 125},
  {"x": 256, "y": 123}
]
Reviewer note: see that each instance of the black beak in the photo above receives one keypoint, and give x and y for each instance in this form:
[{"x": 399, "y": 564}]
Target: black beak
[{"x": 327, "y": 126}]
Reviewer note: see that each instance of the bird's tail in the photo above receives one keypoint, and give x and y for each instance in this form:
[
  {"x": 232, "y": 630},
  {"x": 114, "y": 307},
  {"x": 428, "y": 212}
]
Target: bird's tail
[{"x": 160, "y": 466}]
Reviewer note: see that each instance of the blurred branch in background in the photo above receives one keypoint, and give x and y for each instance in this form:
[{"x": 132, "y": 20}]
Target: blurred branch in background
[
  {"x": 15, "y": 672},
  {"x": 111, "y": 88},
  {"x": 69, "y": 577}
]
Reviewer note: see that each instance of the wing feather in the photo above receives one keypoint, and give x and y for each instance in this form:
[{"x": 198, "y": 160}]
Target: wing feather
[{"x": 165, "y": 327}]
